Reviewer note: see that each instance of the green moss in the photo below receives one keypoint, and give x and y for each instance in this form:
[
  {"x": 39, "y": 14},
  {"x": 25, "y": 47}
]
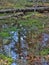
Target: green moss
[
  {"x": 4, "y": 34},
  {"x": 45, "y": 51},
  {"x": 31, "y": 22}
]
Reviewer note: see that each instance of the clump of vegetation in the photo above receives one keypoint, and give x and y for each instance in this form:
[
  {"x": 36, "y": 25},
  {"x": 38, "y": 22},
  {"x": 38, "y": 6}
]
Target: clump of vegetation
[
  {"x": 45, "y": 51},
  {"x": 4, "y": 60},
  {"x": 4, "y": 34}
]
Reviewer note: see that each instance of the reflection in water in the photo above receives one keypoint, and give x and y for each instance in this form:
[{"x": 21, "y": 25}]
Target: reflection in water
[
  {"x": 11, "y": 52},
  {"x": 15, "y": 36},
  {"x": 10, "y": 48},
  {"x": 14, "y": 63},
  {"x": 45, "y": 39},
  {"x": 14, "y": 55}
]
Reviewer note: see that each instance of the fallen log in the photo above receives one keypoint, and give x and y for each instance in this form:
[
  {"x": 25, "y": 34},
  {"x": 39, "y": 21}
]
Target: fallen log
[
  {"x": 38, "y": 9},
  {"x": 12, "y": 15}
]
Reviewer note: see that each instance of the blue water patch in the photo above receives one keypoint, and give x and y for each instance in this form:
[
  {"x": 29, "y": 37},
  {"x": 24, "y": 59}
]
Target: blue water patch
[{"x": 14, "y": 63}]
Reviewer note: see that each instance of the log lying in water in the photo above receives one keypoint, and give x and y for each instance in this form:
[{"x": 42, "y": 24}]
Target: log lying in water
[
  {"x": 12, "y": 15},
  {"x": 39, "y": 9}
]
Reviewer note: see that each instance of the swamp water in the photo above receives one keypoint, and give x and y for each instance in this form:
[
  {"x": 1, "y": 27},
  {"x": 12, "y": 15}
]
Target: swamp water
[{"x": 12, "y": 51}]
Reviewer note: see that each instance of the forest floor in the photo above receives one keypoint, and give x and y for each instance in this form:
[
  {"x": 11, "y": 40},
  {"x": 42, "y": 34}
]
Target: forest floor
[{"x": 37, "y": 37}]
